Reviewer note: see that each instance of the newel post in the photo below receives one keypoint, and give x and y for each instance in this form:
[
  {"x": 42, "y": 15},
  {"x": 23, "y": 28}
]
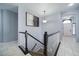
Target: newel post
[
  {"x": 45, "y": 43},
  {"x": 26, "y": 48}
]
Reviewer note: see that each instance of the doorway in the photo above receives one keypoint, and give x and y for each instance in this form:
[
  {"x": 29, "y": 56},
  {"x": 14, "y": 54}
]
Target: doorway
[{"x": 68, "y": 30}]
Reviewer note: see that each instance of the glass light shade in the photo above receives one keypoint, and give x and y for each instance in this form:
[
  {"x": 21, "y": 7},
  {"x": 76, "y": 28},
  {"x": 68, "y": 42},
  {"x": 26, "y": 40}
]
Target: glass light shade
[{"x": 44, "y": 21}]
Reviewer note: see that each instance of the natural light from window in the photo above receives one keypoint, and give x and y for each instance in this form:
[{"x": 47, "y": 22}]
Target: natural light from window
[{"x": 67, "y": 21}]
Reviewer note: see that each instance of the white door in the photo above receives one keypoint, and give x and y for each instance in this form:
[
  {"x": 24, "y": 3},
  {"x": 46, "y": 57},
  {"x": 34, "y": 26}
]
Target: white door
[{"x": 68, "y": 29}]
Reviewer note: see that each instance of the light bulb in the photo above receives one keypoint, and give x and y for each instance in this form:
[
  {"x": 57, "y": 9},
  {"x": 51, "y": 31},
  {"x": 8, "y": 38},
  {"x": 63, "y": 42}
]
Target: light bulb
[{"x": 44, "y": 21}]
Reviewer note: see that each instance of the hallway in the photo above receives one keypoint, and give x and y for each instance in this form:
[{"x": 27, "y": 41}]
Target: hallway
[
  {"x": 68, "y": 47},
  {"x": 24, "y": 25}
]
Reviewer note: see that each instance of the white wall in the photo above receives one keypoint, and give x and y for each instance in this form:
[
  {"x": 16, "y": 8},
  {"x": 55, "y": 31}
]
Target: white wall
[
  {"x": 35, "y": 31},
  {"x": 53, "y": 23}
]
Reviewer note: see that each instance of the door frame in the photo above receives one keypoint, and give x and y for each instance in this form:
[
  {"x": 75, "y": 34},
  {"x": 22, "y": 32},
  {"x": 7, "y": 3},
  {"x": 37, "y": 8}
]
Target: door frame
[{"x": 71, "y": 25}]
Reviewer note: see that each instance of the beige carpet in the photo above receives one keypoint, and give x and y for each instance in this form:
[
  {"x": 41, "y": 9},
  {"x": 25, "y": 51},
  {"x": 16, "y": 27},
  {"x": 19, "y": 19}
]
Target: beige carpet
[
  {"x": 10, "y": 49},
  {"x": 68, "y": 47}
]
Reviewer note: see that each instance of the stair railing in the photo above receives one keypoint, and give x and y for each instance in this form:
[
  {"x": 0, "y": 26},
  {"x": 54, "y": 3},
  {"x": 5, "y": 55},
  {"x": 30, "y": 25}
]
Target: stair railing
[
  {"x": 26, "y": 48},
  {"x": 46, "y": 36},
  {"x": 45, "y": 42}
]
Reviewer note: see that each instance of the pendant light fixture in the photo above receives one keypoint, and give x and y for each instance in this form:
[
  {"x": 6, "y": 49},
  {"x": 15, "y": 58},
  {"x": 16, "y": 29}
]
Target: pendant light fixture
[{"x": 44, "y": 20}]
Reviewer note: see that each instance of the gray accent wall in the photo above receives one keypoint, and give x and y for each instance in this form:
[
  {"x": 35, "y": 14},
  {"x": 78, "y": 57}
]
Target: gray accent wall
[
  {"x": 1, "y": 36},
  {"x": 8, "y": 26}
]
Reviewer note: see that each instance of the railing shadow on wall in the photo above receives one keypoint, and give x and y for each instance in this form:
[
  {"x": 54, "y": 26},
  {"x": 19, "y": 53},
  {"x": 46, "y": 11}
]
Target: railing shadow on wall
[{"x": 46, "y": 36}]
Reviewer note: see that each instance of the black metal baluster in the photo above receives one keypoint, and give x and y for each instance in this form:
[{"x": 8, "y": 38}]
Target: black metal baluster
[{"x": 26, "y": 49}]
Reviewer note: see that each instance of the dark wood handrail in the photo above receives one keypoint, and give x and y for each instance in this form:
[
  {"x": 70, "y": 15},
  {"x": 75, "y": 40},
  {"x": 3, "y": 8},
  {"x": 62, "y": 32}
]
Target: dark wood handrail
[
  {"x": 31, "y": 36},
  {"x": 35, "y": 38},
  {"x": 53, "y": 33},
  {"x": 26, "y": 48},
  {"x": 22, "y": 32},
  {"x": 45, "y": 41}
]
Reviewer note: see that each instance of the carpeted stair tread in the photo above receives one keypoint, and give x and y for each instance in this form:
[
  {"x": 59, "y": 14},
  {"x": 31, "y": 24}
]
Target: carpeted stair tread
[
  {"x": 36, "y": 54},
  {"x": 40, "y": 51}
]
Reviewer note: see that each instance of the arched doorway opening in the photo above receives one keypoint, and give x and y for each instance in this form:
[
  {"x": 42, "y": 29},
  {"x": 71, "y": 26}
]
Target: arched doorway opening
[{"x": 68, "y": 30}]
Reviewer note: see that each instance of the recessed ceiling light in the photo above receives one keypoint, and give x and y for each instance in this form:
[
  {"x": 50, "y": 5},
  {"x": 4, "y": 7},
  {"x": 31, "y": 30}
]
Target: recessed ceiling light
[{"x": 71, "y": 4}]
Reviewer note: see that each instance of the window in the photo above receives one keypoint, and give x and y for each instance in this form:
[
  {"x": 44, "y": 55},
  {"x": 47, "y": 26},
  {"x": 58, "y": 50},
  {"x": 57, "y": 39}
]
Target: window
[{"x": 74, "y": 28}]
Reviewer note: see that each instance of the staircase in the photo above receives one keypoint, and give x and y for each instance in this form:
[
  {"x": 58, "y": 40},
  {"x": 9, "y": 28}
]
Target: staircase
[{"x": 38, "y": 53}]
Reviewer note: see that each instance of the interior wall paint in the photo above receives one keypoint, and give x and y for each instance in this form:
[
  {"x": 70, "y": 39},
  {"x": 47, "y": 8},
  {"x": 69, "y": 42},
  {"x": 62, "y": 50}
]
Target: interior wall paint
[
  {"x": 35, "y": 31},
  {"x": 1, "y": 34},
  {"x": 53, "y": 25},
  {"x": 77, "y": 27},
  {"x": 10, "y": 26}
]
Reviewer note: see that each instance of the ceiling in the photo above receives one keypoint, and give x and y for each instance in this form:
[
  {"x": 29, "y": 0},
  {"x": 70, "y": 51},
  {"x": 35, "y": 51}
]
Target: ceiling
[
  {"x": 38, "y": 8},
  {"x": 50, "y": 8}
]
